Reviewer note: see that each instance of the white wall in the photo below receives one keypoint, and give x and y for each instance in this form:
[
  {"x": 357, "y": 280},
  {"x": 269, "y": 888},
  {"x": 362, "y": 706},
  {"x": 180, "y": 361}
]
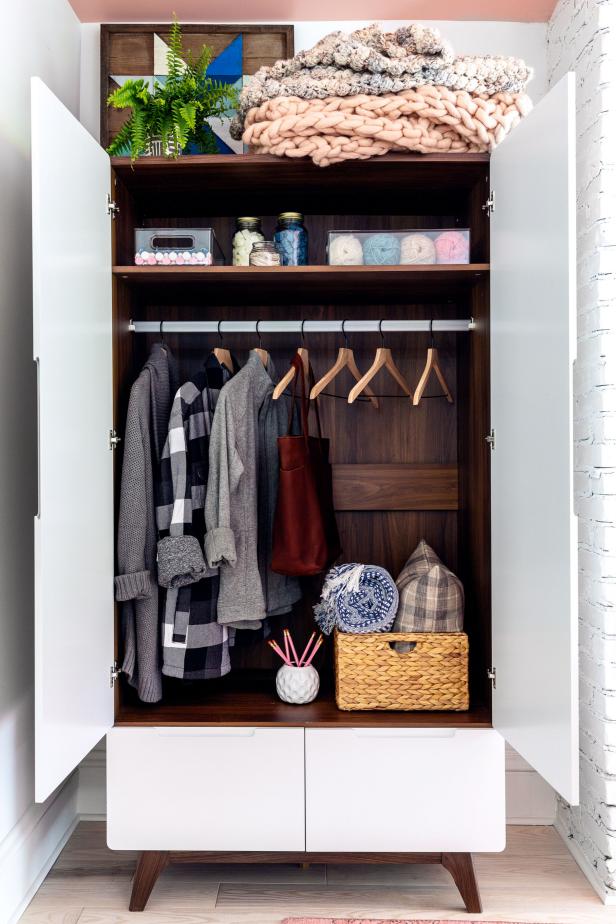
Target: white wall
[
  {"x": 582, "y": 37},
  {"x": 522, "y": 40},
  {"x": 40, "y": 37}
]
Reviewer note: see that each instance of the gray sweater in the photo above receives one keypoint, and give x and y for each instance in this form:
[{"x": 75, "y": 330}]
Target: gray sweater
[
  {"x": 241, "y": 498},
  {"x": 136, "y": 583}
]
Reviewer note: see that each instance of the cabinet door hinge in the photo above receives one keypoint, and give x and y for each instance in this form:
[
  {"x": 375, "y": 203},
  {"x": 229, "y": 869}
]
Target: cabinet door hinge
[
  {"x": 490, "y": 439},
  {"x": 114, "y": 439},
  {"x": 488, "y": 206},
  {"x": 492, "y": 676},
  {"x": 114, "y": 673},
  {"x": 112, "y": 207}
]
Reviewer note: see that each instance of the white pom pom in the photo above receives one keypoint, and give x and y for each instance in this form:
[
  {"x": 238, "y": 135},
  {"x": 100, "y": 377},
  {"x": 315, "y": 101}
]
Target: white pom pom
[
  {"x": 417, "y": 248},
  {"x": 345, "y": 250}
]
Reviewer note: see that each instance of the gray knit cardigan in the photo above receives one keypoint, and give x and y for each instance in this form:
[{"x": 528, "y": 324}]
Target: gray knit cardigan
[
  {"x": 136, "y": 585},
  {"x": 241, "y": 498}
]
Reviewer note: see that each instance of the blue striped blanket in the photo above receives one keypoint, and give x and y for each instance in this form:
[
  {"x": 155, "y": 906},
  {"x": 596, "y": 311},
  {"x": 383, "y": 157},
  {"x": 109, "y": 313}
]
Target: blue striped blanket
[{"x": 357, "y": 598}]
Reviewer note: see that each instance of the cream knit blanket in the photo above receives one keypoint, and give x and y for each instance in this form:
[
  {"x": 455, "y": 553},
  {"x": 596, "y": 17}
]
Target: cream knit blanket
[
  {"x": 427, "y": 120},
  {"x": 370, "y": 61}
]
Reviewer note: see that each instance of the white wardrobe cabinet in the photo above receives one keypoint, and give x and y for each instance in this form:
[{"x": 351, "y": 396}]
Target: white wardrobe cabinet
[{"x": 223, "y": 771}]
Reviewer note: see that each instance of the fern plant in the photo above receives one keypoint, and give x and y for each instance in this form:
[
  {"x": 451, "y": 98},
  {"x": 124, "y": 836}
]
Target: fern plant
[{"x": 174, "y": 112}]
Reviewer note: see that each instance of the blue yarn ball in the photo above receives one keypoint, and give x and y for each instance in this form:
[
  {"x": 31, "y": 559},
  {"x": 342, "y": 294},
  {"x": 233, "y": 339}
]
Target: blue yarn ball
[{"x": 382, "y": 250}]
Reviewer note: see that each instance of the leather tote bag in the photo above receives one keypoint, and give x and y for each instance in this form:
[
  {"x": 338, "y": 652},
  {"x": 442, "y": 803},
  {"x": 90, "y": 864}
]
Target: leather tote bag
[{"x": 306, "y": 537}]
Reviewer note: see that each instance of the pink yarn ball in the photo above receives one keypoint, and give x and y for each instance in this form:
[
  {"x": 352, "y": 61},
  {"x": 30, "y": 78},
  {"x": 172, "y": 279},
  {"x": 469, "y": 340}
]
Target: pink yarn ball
[
  {"x": 452, "y": 247},
  {"x": 166, "y": 261},
  {"x": 180, "y": 261},
  {"x": 138, "y": 259},
  {"x": 152, "y": 260}
]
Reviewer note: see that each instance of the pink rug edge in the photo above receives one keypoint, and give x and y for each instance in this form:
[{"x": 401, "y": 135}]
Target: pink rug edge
[{"x": 387, "y": 921}]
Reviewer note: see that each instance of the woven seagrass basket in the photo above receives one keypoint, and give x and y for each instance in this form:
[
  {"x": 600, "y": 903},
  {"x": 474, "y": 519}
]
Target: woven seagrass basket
[{"x": 372, "y": 674}]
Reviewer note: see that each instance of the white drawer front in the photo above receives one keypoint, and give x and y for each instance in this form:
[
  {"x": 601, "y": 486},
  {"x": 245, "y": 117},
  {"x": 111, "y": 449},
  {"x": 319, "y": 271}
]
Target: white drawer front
[
  {"x": 405, "y": 790},
  {"x": 205, "y": 789}
]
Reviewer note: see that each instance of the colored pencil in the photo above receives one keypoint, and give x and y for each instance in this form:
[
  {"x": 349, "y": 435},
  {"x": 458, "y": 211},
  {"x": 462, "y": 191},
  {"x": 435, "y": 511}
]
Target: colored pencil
[
  {"x": 314, "y": 650},
  {"x": 286, "y": 645},
  {"x": 293, "y": 651},
  {"x": 306, "y": 649},
  {"x": 275, "y": 647}
]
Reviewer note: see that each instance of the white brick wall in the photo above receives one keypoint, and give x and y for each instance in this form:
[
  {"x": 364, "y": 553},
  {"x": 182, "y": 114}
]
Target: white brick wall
[{"x": 582, "y": 37}]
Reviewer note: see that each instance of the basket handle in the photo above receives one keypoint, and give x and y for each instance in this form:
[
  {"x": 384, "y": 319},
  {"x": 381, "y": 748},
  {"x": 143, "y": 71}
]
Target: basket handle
[{"x": 411, "y": 647}]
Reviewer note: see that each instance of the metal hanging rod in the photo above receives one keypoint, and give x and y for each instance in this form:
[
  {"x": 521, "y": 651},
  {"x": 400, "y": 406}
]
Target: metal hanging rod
[{"x": 298, "y": 327}]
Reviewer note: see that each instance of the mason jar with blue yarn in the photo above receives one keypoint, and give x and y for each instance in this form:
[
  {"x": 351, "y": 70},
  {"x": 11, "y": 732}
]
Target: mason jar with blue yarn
[{"x": 291, "y": 239}]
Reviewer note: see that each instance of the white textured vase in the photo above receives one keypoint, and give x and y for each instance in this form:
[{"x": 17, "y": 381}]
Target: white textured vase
[{"x": 297, "y": 684}]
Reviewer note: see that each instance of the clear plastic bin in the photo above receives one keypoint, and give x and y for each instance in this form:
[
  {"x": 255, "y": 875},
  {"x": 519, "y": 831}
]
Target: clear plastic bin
[
  {"x": 395, "y": 248},
  {"x": 177, "y": 247}
]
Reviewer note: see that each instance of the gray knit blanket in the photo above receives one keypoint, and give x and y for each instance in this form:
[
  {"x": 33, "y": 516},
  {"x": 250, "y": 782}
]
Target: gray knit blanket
[{"x": 374, "y": 62}]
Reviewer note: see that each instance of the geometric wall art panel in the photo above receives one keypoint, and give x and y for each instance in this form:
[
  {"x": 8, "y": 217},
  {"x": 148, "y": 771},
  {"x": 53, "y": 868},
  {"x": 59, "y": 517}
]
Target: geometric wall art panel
[{"x": 129, "y": 51}]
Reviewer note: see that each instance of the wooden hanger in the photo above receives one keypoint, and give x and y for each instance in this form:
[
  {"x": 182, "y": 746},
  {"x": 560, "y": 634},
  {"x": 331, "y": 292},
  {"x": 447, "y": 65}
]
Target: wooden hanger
[
  {"x": 222, "y": 355},
  {"x": 382, "y": 359},
  {"x": 345, "y": 360},
  {"x": 432, "y": 365},
  {"x": 286, "y": 380},
  {"x": 261, "y": 353}
]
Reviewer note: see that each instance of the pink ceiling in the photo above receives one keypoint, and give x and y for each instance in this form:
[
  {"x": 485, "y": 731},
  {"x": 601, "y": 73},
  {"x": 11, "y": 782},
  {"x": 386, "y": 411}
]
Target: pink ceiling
[{"x": 298, "y": 10}]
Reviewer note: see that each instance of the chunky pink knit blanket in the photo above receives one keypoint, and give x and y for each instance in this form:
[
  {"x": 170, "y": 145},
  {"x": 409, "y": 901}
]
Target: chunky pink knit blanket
[{"x": 429, "y": 119}]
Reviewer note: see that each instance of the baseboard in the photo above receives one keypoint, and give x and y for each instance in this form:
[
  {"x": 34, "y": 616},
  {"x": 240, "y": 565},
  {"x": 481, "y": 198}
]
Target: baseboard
[
  {"x": 31, "y": 848},
  {"x": 530, "y": 801},
  {"x": 606, "y": 895},
  {"x": 92, "y": 795}
]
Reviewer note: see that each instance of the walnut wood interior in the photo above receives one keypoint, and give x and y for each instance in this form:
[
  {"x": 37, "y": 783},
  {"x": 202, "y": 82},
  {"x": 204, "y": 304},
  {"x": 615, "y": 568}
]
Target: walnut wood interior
[{"x": 402, "y": 473}]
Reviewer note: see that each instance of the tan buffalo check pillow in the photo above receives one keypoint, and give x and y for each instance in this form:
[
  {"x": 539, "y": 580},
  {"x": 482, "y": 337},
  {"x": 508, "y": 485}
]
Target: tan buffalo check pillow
[{"x": 431, "y": 596}]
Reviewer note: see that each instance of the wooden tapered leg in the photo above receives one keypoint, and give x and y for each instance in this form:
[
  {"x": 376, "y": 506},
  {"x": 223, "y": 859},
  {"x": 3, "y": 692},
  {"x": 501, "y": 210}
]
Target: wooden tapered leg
[
  {"x": 460, "y": 865},
  {"x": 150, "y": 866}
]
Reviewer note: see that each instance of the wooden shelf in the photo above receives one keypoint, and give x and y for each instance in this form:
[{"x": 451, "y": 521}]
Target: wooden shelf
[
  {"x": 249, "y": 171},
  {"x": 223, "y": 184},
  {"x": 261, "y": 707},
  {"x": 317, "y": 284}
]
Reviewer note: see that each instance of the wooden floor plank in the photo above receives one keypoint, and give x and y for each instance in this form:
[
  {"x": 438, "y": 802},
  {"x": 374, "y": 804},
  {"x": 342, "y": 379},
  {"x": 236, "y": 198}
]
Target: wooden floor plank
[
  {"x": 533, "y": 880},
  {"x": 51, "y": 917}
]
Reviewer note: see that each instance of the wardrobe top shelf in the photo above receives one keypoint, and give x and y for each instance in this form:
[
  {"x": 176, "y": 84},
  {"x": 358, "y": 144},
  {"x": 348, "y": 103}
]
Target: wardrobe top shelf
[
  {"x": 323, "y": 283},
  {"x": 248, "y": 175}
]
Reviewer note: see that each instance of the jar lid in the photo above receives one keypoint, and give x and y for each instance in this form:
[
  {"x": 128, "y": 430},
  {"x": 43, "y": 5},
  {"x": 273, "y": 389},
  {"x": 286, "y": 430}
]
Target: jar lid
[
  {"x": 249, "y": 220},
  {"x": 263, "y": 245},
  {"x": 291, "y": 216}
]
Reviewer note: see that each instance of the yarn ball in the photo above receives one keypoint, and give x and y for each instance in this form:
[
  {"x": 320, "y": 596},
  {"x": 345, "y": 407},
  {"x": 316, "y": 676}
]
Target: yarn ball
[
  {"x": 452, "y": 247},
  {"x": 346, "y": 250},
  {"x": 382, "y": 250},
  {"x": 417, "y": 248}
]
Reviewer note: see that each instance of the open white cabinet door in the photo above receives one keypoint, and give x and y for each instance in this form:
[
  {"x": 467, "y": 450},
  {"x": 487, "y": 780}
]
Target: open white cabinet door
[
  {"x": 534, "y": 528},
  {"x": 74, "y": 526}
]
